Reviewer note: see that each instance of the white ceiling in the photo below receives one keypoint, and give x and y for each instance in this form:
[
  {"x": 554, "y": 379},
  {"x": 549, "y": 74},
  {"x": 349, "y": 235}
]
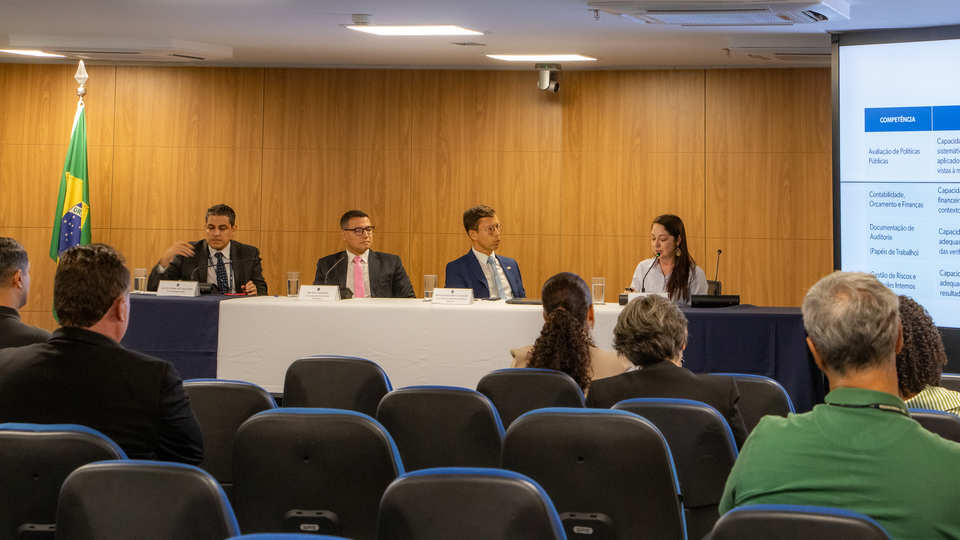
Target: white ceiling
[{"x": 310, "y": 33}]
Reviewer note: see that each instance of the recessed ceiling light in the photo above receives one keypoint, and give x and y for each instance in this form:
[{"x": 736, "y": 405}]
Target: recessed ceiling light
[
  {"x": 541, "y": 57},
  {"x": 31, "y": 53},
  {"x": 447, "y": 30}
]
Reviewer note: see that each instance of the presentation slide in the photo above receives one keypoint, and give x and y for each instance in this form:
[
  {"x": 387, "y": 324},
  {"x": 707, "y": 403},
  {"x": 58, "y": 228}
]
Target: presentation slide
[{"x": 900, "y": 169}]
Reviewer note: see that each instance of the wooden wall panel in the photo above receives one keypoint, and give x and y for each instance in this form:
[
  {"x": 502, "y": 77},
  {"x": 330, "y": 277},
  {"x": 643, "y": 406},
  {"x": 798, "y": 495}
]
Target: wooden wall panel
[
  {"x": 592, "y": 111},
  {"x": 591, "y": 193},
  {"x": 308, "y": 190},
  {"x": 661, "y": 183},
  {"x": 662, "y": 111}
]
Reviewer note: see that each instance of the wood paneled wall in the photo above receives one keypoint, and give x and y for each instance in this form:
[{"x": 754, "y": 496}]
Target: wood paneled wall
[{"x": 576, "y": 177}]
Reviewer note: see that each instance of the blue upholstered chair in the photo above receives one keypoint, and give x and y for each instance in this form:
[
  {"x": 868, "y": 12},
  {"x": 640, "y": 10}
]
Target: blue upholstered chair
[
  {"x": 137, "y": 500},
  {"x": 335, "y": 382},
  {"x": 606, "y": 470},
  {"x": 703, "y": 451},
  {"x": 312, "y": 470},
  {"x": 442, "y": 426},
  {"x": 942, "y": 423},
  {"x": 792, "y": 522},
  {"x": 515, "y": 391},
  {"x": 760, "y": 396},
  {"x": 467, "y": 504}
]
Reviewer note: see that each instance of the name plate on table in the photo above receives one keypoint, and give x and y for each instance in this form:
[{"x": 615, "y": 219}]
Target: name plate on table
[
  {"x": 319, "y": 293},
  {"x": 463, "y": 297},
  {"x": 178, "y": 288}
]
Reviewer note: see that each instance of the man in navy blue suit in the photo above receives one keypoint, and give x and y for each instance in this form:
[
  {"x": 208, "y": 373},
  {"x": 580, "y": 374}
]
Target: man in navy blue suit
[{"x": 491, "y": 276}]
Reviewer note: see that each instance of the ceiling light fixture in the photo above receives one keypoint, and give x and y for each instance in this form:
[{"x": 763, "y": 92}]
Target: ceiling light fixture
[
  {"x": 32, "y": 53},
  {"x": 541, "y": 57},
  {"x": 443, "y": 30}
]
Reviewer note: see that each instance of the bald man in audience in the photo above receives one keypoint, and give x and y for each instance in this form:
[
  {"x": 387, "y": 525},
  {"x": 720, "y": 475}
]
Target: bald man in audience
[
  {"x": 14, "y": 287},
  {"x": 860, "y": 450}
]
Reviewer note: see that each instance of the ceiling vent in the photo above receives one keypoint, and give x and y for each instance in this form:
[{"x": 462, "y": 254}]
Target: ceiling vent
[
  {"x": 811, "y": 56},
  {"x": 124, "y": 50},
  {"x": 726, "y": 13}
]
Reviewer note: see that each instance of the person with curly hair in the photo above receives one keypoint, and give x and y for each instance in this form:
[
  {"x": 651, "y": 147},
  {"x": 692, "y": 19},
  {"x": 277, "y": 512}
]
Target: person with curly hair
[
  {"x": 651, "y": 332},
  {"x": 921, "y": 361},
  {"x": 565, "y": 343}
]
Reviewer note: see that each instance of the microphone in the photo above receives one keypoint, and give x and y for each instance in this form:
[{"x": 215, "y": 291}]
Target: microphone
[
  {"x": 345, "y": 293},
  {"x": 193, "y": 274},
  {"x": 716, "y": 290},
  {"x": 643, "y": 287},
  {"x": 325, "y": 276}
]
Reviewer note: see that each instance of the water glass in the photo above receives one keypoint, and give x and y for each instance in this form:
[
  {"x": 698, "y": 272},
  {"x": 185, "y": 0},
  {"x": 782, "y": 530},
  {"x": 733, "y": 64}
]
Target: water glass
[
  {"x": 293, "y": 284},
  {"x": 429, "y": 284},
  {"x": 596, "y": 288},
  {"x": 139, "y": 280}
]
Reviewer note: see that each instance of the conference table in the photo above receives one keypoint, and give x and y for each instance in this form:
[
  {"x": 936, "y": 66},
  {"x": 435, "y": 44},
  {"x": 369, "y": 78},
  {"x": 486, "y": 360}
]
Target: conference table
[{"x": 419, "y": 343}]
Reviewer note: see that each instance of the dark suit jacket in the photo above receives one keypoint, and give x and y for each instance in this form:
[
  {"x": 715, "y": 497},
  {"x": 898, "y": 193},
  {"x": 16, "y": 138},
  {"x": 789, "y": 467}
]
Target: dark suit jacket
[
  {"x": 183, "y": 267},
  {"x": 666, "y": 380},
  {"x": 14, "y": 333},
  {"x": 82, "y": 377},
  {"x": 388, "y": 279},
  {"x": 466, "y": 273}
]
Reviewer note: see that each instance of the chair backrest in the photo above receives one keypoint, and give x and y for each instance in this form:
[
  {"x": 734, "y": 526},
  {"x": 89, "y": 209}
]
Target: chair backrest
[
  {"x": 944, "y": 424},
  {"x": 950, "y": 381},
  {"x": 760, "y": 396},
  {"x": 515, "y": 391},
  {"x": 286, "y": 536},
  {"x": 442, "y": 426},
  {"x": 137, "y": 500},
  {"x": 335, "y": 382},
  {"x": 792, "y": 522},
  {"x": 221, "y": 407},
  {"x": 35, "y": 459},
  {"x": 703, "y": 450},
  {"x": 600, "y": 461},
  {"x": 467, "y": 504},
  {"x": 312, "y": 470}
]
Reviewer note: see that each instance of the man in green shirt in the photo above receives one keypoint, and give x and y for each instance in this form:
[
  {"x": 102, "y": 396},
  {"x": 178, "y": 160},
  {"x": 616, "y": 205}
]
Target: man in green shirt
[{"x": 860, "y": 450}]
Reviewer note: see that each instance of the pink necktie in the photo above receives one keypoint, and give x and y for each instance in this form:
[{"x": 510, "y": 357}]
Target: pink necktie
[{"x": 358, "y": 291}]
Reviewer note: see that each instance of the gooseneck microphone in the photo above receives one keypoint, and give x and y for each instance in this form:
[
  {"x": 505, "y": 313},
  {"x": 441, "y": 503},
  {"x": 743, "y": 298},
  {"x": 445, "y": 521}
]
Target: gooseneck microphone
[
  {"x": 325, "y": 276},
  {"x": 195, "y": 270},
  {"x": 345, "y": 293},
  {"x": 716, "y": 290},
  {"x": 643, "y": 286}
]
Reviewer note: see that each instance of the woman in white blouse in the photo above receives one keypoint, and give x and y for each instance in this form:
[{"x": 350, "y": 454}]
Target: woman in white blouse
[{"x": 671, "y": 270}]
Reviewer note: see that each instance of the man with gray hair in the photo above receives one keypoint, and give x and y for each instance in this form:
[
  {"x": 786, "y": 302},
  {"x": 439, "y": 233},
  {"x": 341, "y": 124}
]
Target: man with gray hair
[
  {"x": 860, "y": 450},
  {"x": 14, "y": 287}
]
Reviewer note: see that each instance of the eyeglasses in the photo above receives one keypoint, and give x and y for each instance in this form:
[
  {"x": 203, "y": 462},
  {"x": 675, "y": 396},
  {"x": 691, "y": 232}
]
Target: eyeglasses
[
  {"x": 360, "y": 230},
  {"x": 490, "y": 229}
]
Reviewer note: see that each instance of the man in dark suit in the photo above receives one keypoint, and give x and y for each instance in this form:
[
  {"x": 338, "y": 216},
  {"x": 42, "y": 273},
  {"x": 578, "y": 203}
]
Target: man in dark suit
[
  {"x": 233, "y": 267},
  {"x": 651, "y": 332},
  {"x": 491, "y": 276},
  {"x": 14, "y": 286},
  {"x": 82, "y": 375},
  {"x": 359, "y": 271}
]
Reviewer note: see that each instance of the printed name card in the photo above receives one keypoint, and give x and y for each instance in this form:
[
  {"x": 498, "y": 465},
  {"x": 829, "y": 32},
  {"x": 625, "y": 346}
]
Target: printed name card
[
  {"x": 319, "y": 293},
  {"x": 178, "y": 288},
  {"x": 463, "y": 297},
  {"x": 631, "y": 296}
]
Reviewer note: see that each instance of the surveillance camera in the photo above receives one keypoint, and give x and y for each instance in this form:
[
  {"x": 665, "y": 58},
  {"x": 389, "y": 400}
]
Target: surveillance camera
[{"x": 548, "y": 81}]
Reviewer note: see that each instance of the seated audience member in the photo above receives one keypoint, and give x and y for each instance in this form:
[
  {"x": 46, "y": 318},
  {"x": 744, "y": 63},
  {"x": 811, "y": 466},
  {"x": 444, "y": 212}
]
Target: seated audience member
[
  {"x": 491, "y": 276},
  {"x": 672, "y": 270},
  {"x": 362, "y": 271},
  {"x": 651, "y": 332},
  {"x": 565, "y": 343},
  {"x": 14, "y": 286},
  {"x": 82, "y": 375},
  {"x": 921, "y": 361},
  {"x": 219, "y": 259},
  {"x": 860, "y": 450}
]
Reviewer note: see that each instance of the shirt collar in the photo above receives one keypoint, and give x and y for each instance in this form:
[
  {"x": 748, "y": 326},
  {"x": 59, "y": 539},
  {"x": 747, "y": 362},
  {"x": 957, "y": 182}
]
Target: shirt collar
[
  {"x": 861, "y": 396},
  {"x": 365, "y": 256},
  {"x": 483, "y": 258},
  {"x": 82, "y": 334},
  {"x": 225, "y": 251}
]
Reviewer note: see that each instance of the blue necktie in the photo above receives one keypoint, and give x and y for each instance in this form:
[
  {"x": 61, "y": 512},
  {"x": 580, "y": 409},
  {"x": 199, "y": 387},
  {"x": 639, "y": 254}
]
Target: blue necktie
[
  {"x": 496, "y": 276},
  {"x": 223, "y": 282}
]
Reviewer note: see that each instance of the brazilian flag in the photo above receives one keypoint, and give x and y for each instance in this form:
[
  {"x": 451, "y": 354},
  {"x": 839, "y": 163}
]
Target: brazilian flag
[{"x": 71, "y": 225}]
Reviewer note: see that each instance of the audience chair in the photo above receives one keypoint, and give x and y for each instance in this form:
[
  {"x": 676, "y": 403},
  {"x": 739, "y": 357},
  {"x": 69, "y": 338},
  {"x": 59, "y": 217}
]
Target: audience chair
[
  {"x": 335, "y": 382},
  {"x": 759, "y": 396},
  {"x": 515, "y": 391},
  {"x": 605, "y": 470},
  {"x": 318, "y": 471},
  {"x": 703, "y": 450},
  {"x": 286, "y": 536},
  {"x": 442, "y": 426},
  {"x": 950, "y": 381},
  {"x": 221, "y": 407},
  {"x": 942, "y": 423},
  {"x": 467, "y": 504},
  {"x": 143, "y": 500},
  {"x": 35, "y": 459},
  {"x": 790, "y": 522}
]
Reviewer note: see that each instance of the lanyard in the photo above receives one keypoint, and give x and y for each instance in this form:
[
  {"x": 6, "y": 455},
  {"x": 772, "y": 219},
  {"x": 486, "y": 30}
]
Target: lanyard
[{"x": 878, "y": 406}]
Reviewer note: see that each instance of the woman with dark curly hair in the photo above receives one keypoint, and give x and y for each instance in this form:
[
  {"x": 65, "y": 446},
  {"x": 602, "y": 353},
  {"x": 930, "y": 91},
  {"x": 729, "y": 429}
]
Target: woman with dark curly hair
[
  {"x": 565, "y": 343},
  {"x": 921, "y": 361}
]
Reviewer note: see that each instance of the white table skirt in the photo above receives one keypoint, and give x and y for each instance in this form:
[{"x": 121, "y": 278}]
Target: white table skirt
[{"x": 415, "y": 342}]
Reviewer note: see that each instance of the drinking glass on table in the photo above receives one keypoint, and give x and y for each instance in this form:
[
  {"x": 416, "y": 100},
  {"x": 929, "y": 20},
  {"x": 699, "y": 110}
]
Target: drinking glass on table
[
  {"x": 293, "y": 283},
  {"x": 429, "y": 283},
  {"x": 139, "y": 280},
  {"x": 597, "y": 289}
]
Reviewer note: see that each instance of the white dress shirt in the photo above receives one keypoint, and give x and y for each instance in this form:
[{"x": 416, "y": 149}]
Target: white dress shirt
[
  {"x": 487, "y": 273},
  {"x": 657, "y": 282},
  {"x": 365, "y": 265}
]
